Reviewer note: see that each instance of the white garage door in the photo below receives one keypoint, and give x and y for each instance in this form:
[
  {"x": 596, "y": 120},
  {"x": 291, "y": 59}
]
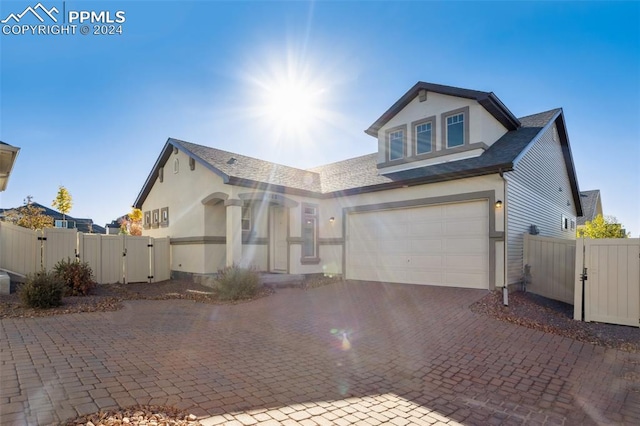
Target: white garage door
[{"x": 446, "y": 245}]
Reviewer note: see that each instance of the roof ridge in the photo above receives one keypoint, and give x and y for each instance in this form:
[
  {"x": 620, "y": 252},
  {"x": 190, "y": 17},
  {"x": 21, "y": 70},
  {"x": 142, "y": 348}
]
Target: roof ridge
[
  {"x": 554, "y": 110},
  {"x": 238, "y": 154}
]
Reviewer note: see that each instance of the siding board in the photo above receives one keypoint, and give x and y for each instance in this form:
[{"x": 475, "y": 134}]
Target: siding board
[{"x": 538, "y": 193}]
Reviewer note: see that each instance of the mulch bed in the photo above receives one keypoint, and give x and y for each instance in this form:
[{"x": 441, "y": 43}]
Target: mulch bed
[
  {"x": 539, "y": 313},
  {"x": 109, "y": 297}
]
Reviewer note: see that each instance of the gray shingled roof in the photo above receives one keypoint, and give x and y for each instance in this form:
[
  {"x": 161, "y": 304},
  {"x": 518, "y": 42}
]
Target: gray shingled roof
[
  {"x": 354, "y": 174},
  {"x": 253, "y": 169},
  {"x": 589, "y": 201}
]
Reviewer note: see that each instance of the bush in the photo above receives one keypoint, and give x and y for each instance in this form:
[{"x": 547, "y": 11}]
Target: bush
[
  {"x": 77, "y": 277},
  {"x": 42, "y": 290},
  {"x": 236, "y": 283}
]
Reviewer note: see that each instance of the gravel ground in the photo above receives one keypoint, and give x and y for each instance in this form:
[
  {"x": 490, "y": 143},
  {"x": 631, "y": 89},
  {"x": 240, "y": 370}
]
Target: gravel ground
[
  {"x": 109, "y": 297},
  {"x": 525, "y": 309},
  {"x": 537, "y": 312}
]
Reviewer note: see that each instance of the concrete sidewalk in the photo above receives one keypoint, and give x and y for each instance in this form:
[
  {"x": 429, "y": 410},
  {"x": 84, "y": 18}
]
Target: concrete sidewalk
[{"x": 356, "y": 353}]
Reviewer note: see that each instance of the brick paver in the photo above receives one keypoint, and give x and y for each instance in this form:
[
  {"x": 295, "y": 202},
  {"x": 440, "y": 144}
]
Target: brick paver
[{"x": 356, "y": 353}]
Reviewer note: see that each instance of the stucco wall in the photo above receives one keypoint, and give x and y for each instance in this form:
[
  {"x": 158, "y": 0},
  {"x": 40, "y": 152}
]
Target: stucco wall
[{"x": 483, "y": 127}]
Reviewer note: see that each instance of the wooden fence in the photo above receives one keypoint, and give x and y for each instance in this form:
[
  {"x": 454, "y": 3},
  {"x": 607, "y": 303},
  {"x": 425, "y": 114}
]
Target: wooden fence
[
  {"x": 552, "y": 267},
  {"x": 112, "y": 258}
]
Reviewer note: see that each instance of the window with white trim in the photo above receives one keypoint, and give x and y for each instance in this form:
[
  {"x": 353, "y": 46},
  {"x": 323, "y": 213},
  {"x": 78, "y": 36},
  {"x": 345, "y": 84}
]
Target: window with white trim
[{"x": 147, "y": 220}]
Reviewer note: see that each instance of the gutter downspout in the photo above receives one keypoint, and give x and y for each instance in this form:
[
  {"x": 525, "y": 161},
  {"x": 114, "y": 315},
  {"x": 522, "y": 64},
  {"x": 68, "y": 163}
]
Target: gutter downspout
[{"x": 505, "y": 206}]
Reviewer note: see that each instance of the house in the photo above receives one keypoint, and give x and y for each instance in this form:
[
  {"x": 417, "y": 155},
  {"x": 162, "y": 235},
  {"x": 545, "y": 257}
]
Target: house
[
  {"x": 445, "y": 200},
  {"x": 63, "y": 221},
  {"x": 591, "y": 206},
  {"x": 8, "y": 155}
]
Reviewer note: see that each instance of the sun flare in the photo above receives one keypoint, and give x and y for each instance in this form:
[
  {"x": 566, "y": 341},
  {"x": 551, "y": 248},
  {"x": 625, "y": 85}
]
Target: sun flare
[{"x": 292, "y": 105}]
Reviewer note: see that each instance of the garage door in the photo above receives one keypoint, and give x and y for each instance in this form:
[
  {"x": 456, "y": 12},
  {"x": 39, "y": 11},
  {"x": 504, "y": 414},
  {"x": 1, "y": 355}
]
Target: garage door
[{"x": 446, "y": 245}]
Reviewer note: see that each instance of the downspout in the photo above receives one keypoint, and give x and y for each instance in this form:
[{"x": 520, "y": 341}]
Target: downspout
[{"x": 505, "y": 263}]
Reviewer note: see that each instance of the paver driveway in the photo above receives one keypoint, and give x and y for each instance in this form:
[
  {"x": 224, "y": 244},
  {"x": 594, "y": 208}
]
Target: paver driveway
[{"x": 356, "y": 353}]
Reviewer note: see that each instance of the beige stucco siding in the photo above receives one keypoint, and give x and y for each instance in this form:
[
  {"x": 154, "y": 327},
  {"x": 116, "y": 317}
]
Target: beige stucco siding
[
  {"x": 483, "y": 127},
  {"x": 539, "y": 193}
]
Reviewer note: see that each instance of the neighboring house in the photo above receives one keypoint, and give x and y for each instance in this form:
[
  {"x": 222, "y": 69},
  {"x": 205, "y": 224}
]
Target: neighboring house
[
  {"x": 591, "y": 206},
  {"x": 456, "y": 181},
  {"x": 113, "y": 227},
  {"x": 64, "y": 221},
  {"x": 8, "y": 155}
]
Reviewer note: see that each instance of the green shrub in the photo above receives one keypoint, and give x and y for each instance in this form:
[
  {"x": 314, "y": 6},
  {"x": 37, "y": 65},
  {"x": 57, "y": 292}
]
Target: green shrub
[
  {"x": 42, "y": 290},
  {"x": 236, "y": 283},
  {"x": 77, "y": 277}
]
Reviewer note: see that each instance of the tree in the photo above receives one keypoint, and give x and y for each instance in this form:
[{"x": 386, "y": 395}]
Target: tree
[
  {"x": 602, "y": 227},
  {"x": 63, "y": 201},
  {"x": 30, "y": 216},
  {"x": 131, "y": 224}
]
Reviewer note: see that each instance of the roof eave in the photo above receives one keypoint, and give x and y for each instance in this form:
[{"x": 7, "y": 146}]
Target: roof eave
[
  {"x": 488, "y": 100},
  {"x": 483, "y": 171}
]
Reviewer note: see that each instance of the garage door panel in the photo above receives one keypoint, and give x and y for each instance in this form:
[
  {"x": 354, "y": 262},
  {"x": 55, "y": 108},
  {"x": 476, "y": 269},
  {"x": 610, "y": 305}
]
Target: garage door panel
[
  {"x": 465, "y": 245},
  {"x": 465, "y": 262},
  {"x": 433, "y": 213},
  {"x": 445, "y": 245},
  {"x": 395, "y": 247},
  {"x": 391, "y": 230},
  {"x": 426, "y": 229},
  {"x": 466, "y": 227},
  {"x": 425, "y": 246},
  {"x": 426, "y": 262}
]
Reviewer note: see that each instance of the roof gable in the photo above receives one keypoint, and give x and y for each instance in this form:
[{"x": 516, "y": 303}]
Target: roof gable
[
  {"x": 591, "y": 206},
  {"x": 488, "y": 100}
]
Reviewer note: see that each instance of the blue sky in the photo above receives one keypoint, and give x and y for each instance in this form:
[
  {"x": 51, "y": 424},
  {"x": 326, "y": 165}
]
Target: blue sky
[{"x": 92, "y": 112}]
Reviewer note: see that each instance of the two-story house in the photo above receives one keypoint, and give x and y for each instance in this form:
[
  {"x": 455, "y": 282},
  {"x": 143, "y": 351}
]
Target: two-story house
[{"x": 445, "y": 200}]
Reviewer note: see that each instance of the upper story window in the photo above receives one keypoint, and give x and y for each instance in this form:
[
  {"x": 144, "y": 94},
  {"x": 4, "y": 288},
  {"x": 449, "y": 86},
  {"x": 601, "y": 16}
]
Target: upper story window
[
  {"x": 424, "y": 136},
  {"x": 396, "y": 138},
  {"x": 176, "y": 166},
  {"x": 455, "y": 130}
]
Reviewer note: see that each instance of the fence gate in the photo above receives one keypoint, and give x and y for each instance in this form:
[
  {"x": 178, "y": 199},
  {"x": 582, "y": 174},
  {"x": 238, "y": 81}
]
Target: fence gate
[
  {"x": 112, "y": 258},
  {"x": 612, "y": 286}
]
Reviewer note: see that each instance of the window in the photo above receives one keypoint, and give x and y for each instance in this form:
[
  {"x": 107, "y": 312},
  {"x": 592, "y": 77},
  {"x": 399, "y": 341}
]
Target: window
[
  {"x": 192, "y": 163},
  {"x": 164, "y": 216},
  {"x": 395, "y": 143},
  {"x": 565, "y": 223},
  {"x": 147, "y": 220},
  {"x": 176, "y": 166},
  {"x": 309, "y": 231},
  {"x": 161, "y": 174},
  {"x": 424, "y": 136},
  {"x": 69, "y": 224},
  {"x": 455, "y": 130},
  {"x": 246, "y": 218},
  {"x": 156, "y": 218}
]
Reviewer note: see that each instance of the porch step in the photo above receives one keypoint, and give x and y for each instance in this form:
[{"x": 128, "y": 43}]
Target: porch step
[{"x": 281, "y": 280}]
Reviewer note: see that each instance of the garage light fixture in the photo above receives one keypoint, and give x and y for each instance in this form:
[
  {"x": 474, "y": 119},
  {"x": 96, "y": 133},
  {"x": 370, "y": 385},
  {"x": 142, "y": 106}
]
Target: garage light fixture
[
  {"x": 499, "y": 204},
  {"x": 332, "y": 219}
]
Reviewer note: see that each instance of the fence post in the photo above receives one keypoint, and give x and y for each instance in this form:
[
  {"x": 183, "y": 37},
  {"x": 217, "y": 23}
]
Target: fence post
[{"x": 578, "y": 294}]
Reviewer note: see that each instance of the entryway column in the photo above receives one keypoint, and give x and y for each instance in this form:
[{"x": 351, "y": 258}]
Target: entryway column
[{"x": 234, "y": 231}]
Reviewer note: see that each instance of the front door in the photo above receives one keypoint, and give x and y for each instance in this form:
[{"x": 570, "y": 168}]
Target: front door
[{"x": 278, "y": 240}]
